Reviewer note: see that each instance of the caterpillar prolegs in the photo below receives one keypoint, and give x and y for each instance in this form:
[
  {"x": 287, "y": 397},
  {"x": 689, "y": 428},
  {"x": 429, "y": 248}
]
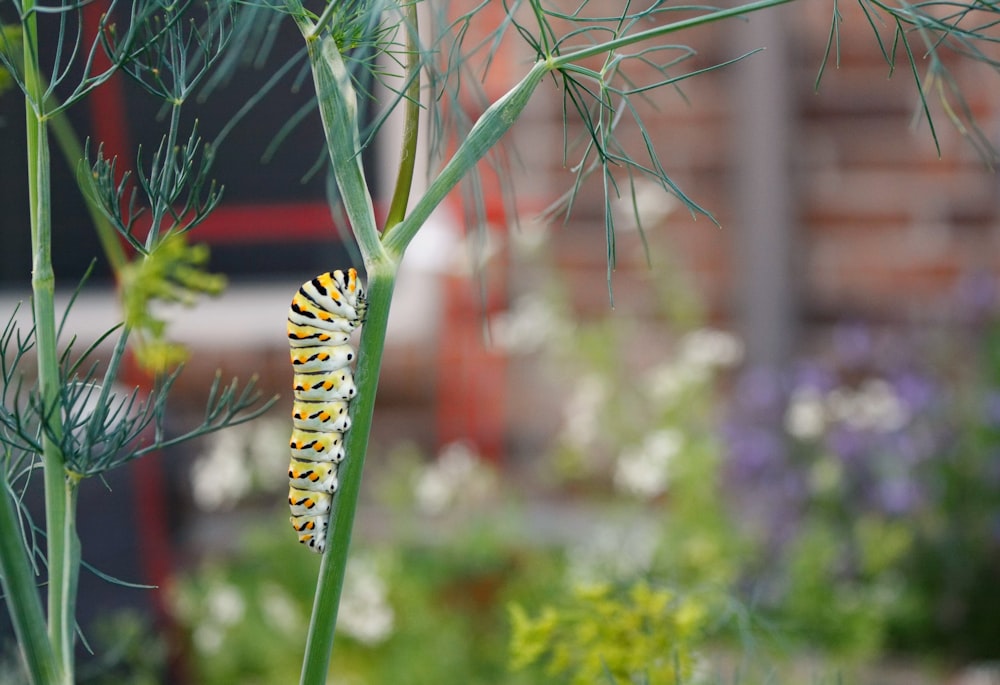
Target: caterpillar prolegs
[{"x": 324, "y": 313}]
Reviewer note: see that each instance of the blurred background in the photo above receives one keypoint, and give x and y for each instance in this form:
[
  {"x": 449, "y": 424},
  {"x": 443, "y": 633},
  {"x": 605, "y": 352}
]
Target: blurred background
[{"x": 791, "y": 419}]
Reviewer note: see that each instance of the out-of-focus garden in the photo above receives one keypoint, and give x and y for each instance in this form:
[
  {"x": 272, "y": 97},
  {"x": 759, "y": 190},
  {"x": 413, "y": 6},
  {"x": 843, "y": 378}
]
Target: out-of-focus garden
[{"x": 766, "y": 451}]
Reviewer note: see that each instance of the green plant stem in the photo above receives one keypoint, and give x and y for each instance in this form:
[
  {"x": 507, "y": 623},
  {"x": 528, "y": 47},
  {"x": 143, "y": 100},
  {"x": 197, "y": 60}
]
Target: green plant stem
[
  {"x": 319, "y": 643},
  {"x": 411, "y": 125},
  {"x": 21, "y": 596},
  {"x": 164, "y": 177},
  {"x": 72, "y": 150},
  {"x": 60, "y": 529},
  {"x": 485, "y": 133},
  {"x": 324, "y": 19},
  {"x": 339, "y": 110},
  {"x": 62, "y": 536},
  {"x": 57, "y": 517}
]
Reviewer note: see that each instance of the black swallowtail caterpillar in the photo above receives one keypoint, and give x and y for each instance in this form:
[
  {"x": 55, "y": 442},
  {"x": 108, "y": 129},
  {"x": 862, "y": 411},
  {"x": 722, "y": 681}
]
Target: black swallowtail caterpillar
[{"x": 324, "y": 313}]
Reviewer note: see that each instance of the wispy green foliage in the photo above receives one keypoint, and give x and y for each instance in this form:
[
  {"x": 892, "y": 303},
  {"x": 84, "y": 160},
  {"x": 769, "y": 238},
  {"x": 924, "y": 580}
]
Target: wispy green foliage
[
  {"x": 172, "y": 192},
  {"x": 172, "y": 58},
  {"x": 177, "y": 192},
  {"x": 75, "y": 420},
  {"x": 174, "y": 53},
  {"x": 609, "y": 97},
  {"x": 14, "y": 345},
  {"x": 923, "y": 34},
  {"x": 76, "y": 69},
  {"x": 105, "y": 422},
  {"x": 10, "y": 38}
]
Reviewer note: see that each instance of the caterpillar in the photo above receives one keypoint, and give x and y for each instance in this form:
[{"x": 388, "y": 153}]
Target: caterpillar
[{"x": 323, "y": 314}]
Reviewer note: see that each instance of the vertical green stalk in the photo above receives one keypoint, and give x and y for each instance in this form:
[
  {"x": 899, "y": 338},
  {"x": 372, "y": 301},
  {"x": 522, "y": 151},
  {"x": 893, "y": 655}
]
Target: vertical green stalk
[
  {"x": 21, "y": 595},
  {"x": 485, "y": 133},
  {"x": 411, "y": 124},
  {"x": 163, "y": 176},
  {"x": 338, "y": 108},
  {"x": 316, "y": 662},
  {"x": 63, "y": 546}
]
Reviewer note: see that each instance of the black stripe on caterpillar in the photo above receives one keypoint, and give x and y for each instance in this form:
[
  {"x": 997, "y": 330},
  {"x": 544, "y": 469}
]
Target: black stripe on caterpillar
[{"x": 323, "y": 314}]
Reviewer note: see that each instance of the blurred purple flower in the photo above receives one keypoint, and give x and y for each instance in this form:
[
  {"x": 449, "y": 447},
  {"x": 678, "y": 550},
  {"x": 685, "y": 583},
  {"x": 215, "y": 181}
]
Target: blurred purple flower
[
  {"x": 850, "y": 445},
  {"x": 915, "y": 390},
  {"x": 915, "y": 444},
  {"x": 754, "y": 452},
  {"x": 812, "y": 375},
  {"x": 760, "y": 396},
  {"x": 977, "y": 297},
  {"x": 853, "y": 345},
  {"x": 991, "y": 407},
  {"x": 897, "y": 496}
]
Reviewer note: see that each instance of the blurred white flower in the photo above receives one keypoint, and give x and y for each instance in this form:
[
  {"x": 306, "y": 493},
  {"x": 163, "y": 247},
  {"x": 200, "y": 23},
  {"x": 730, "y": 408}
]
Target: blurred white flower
[
  {"x": 225, "y": 605},
  {"x": 208, "y": 638},
  {"x": 710, "y": 348},
  {"x": 805, "y": 417},
  {"x": 236, "y": 459},
  {"x": 644, "y": 470},
  {"x": 613, "y": 552},
  {"x": 365, "y": 613},
  {"x": 582, "y": 415},
  {"x": 211, "y": 612},
  {"x": 650, "y": 201},
  {"x": 457, "y": 475},
  {"x": 267, "y": 451},
  {"x": 527, "y": 326},
  {"x": 279, "y": 608},
  {"x": 219, "y": 477},
  {"x": 530, "y": 235},
  {"x": 873, "y": 406},
  {"x": 666, "y": 383},
  {"x": 701, "y": 671},
  {"x": 699, "y": 354},
  {"x": 433, "y": 491}
]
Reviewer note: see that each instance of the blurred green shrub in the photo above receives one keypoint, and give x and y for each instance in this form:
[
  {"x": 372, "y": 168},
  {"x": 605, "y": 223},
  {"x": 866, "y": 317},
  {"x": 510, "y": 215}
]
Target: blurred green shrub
[{"x": 638, "y": 635}]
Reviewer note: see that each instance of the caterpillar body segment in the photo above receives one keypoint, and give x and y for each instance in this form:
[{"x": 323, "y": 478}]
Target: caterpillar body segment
[
  {"x": 322, "y": 417},
  {"x": 311, "y": 530},
  {"x": 336, "y": 385},
  {"x": 336, "y": 294},
  {"x": 304, "y": 335},
  {"x": 313, "y": 446},
  {"x": 321, "y": 358},
  {"x": 323, "y": 314},
  {"x": 320, "y": 476},
  {"x": 304, "y": 502}
]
